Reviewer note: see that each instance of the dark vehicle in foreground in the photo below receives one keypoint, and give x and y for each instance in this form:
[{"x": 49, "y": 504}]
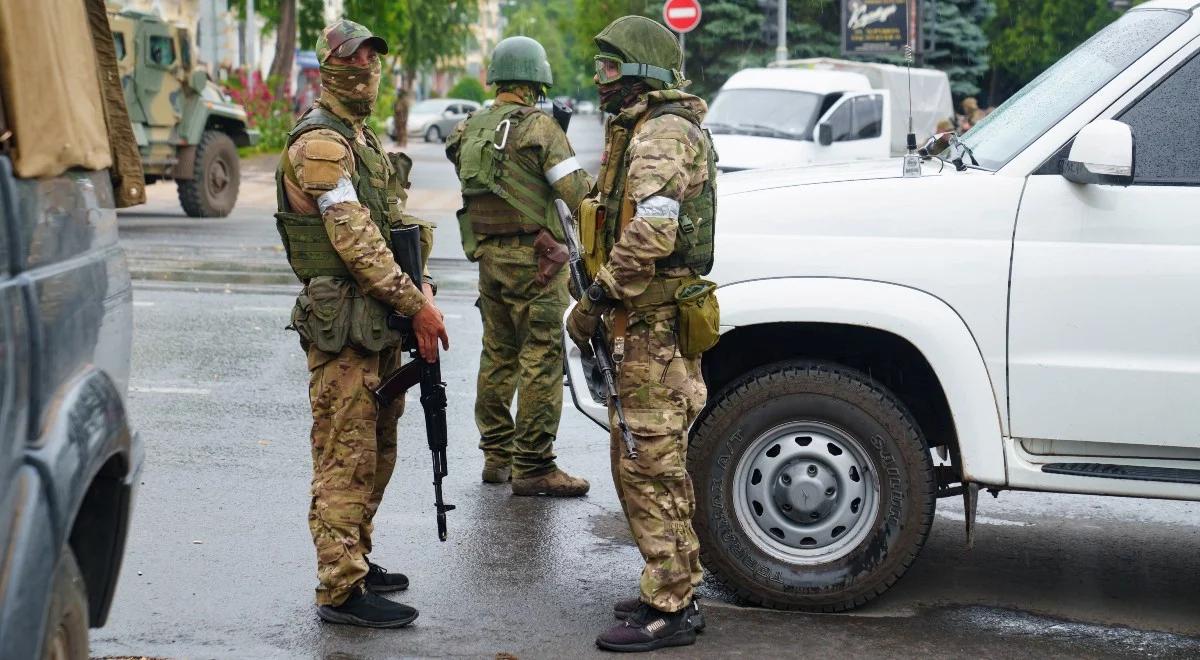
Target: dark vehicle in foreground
[{"x": 68, "y": 459}]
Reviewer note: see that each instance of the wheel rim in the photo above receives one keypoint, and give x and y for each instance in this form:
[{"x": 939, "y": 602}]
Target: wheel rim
[
  {"x": 807, "y": 492},
  {"x": 218, "y": 177}
]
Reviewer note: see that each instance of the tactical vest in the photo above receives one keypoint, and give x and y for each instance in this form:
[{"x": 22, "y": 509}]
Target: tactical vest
[
  {"x": 503, "y": 194},
  {"x": 380, "y": 181},
  {"x": 697, "y": 216}
]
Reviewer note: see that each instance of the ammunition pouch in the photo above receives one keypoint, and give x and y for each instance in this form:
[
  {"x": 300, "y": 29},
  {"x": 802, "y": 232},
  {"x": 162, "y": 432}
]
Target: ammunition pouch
[
  {"x": 331, "y": 313},
  {"x": 699, "y": 321},
  {"x": 591, "y": 235}
]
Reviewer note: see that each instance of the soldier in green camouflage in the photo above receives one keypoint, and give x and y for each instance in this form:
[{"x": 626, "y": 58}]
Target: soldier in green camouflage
[
  {"x": 338, "y": 193},
  {"x": 646, "y": 232},
  {"x": 513, "y": 160}
]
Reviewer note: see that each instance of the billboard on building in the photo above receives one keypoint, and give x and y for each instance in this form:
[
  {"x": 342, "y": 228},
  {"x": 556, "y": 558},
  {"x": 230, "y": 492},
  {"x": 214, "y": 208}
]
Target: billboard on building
[{"x": 879, "y": 26}]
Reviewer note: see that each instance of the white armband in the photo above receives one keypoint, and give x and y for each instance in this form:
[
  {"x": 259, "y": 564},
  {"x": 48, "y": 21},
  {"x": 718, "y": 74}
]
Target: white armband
[
  {"x": 342, "y": 192},
  {"x": 657, "y": 207},
  {"x": 556, "y": 173}
]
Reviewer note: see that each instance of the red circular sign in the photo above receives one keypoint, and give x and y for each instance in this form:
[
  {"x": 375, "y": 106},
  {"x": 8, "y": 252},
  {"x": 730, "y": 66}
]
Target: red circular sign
[{"x": 681, "y": 15}]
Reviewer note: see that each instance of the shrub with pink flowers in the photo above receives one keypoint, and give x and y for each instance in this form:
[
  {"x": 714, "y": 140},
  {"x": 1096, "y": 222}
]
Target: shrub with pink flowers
[{"x": 272, "y": 114}]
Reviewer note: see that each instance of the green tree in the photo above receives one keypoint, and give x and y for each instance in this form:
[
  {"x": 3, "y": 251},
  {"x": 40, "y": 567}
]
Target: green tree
[
  {"x": 730, "y": 37},
  {"x": 467, "y": 88},
  {"x": 955, "y": 31},
  {"x": 1027, "y": 36}
]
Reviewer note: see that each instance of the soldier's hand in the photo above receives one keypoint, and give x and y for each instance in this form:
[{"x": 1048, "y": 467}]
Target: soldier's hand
[
  {"x": 430, "y": 329},
  {"x": 581, "y": 325}
]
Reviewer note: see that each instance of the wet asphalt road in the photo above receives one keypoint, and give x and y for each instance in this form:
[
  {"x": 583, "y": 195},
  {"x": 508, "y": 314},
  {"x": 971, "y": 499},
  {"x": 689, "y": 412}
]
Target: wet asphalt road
[{"x": 220, "y": 565}]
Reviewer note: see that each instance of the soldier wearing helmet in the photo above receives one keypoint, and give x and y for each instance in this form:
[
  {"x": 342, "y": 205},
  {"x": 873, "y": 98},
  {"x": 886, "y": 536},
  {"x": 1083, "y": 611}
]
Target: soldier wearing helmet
[
  {"x": 338, "y": 194},
  {"x": 513, "y": 160},
  {"x": 647, "y": 233}
]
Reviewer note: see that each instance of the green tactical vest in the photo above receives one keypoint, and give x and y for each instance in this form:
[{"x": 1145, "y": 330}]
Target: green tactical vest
[
  {"x": 379, "y": 179},
  {"x": 697, "y": 216},
  {"x": 487, "y": 165}
]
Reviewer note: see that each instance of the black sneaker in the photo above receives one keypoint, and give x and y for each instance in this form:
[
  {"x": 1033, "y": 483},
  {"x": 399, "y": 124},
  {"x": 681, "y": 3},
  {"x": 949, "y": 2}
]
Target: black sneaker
[
  {"x": 381, "y": 582},
  {"x": 364, "y": 608},
  {"x": 623, "y": 608},
  {"x": 647, "y": 629}
]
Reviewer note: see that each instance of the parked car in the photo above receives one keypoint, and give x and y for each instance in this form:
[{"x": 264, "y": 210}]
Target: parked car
[
  {"x": 69, "y": 461},
  {"x": 1024, "y": 312},
  {"x": 433, "y": 119},
  {"x": 823, "y": 110},
  {"x": 585, "y": 107}
]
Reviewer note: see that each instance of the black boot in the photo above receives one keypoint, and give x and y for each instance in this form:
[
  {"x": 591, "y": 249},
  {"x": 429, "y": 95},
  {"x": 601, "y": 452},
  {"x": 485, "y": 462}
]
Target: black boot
[
  {"x": 364, "y": 608},
  {"x": 623, "y": 608},
  {"x": 647, "y": 629},
  {"x": 381, "y": 582}
]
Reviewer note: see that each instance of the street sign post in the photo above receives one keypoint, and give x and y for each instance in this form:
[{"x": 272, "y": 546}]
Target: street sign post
[{"x": 682, "y": 16}]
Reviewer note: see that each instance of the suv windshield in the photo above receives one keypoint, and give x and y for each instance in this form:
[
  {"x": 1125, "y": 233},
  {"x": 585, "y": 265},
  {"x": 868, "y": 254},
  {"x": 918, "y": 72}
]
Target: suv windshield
[
  {"x": 767, "y": 112},
  {"x": 1063, "y": 87}
]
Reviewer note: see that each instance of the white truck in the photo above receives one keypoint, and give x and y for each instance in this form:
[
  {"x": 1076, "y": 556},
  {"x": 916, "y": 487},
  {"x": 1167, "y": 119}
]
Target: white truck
[
  {"x": 820, "y": 110},
  {"x": 1029, "y": 316}
]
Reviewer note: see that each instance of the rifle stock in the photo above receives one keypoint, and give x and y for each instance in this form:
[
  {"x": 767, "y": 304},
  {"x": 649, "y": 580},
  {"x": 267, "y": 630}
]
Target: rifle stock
[
  {"x": 599, "y": 340},
  {"x": 406, "y": 248}
]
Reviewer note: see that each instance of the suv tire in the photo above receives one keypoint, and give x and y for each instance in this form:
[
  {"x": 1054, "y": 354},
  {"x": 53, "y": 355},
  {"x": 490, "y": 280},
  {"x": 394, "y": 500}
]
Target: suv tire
[
  {"x": 213, "y": 190},
  {"x": 433, "y": 134},
  {"x": 66, "y": 633},
  {"x": 816, "y": 487}
]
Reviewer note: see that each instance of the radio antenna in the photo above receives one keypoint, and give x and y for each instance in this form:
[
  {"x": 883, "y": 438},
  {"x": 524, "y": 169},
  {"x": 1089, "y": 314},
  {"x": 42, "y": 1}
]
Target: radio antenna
[{"x": 912, "y": 162}]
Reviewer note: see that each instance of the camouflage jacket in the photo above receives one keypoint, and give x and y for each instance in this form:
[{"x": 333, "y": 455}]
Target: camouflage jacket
[
  {"x": 667, "y": 162},
  {"x": 321, "y": 158}
]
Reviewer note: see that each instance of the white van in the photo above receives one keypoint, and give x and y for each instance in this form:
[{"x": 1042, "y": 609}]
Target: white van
[{"x": 820, "y": 110}]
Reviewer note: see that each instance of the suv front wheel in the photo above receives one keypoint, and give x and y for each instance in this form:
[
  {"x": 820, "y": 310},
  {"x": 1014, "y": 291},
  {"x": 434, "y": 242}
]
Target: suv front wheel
[
  {"x": 213, "y": 189},
  {"x": 815, "y": 487},
  {"x": 66, "y": 633}
]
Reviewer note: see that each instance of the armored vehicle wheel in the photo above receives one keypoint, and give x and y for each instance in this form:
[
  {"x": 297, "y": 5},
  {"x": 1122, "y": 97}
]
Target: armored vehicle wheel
[
  {"x": 66, "y": 633},
  {"x": 433, "y": 134},
  {"x": 815, "y": 489},
  {"x": 213, "y": 191}
]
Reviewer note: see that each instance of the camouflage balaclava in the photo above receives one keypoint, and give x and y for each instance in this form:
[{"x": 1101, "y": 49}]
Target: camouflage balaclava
[{"x": 347, "y": 89}]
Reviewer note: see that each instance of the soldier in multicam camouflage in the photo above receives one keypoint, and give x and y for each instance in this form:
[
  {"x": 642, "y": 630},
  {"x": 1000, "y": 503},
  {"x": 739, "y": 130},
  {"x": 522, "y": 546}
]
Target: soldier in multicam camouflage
[
  {"x": 655, "y": 173},
  {"x": 513, "y": 160},
  {"x": 338, "y": 193}
]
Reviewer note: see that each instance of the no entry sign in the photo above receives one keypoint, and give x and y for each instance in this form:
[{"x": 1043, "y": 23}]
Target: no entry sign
[{"x": 681, "y": 15}]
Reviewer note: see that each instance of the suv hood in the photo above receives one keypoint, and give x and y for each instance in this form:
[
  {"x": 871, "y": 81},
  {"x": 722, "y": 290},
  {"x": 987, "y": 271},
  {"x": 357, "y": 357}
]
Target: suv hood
[
  {"x": 747, "y": 152},
  {"x": 733, "y": 183}
]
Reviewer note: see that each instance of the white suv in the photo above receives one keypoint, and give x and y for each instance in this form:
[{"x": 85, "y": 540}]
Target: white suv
[{"x": 1033, "y": 317}]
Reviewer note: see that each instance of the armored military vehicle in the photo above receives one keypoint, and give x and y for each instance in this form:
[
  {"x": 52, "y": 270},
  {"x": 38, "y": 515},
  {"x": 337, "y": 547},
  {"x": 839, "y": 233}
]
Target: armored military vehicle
[{"x": 186, "y": 127}]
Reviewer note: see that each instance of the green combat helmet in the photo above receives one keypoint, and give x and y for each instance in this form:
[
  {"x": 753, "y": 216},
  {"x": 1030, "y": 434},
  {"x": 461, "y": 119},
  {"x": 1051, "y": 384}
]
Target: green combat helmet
[
  {"x": 344, "y": 37},
  {"x": 519, "y": 59},
  {"x": 647, "y": 50}
]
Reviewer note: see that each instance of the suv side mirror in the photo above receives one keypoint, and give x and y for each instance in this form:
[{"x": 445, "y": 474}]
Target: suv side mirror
[
  {"x": 1101, "y": 154},
  {"x": 198, "y": 80},
  {"x": 824, "y": 134}
]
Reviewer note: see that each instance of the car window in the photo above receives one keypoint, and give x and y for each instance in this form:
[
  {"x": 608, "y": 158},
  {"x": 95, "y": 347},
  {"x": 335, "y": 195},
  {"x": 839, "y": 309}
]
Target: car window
[
  {"x": 119, "y": 43},
  {"x": 867, "y": 119},
  {"x": 1166, "y": 130},
  {"x": 162, "y": 51},
  {"x": 840, "y": 122}
]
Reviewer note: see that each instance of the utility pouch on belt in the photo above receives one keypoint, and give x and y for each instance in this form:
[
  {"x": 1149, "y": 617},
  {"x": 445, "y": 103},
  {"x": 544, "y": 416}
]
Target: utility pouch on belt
[
  {"x": 369, "y": 324},
  {"x": 551, "y": 257},
  {"x": 699, "y": 317},
  {"x": 319, "y": 315},
  {"x": 591, "y": 228}
]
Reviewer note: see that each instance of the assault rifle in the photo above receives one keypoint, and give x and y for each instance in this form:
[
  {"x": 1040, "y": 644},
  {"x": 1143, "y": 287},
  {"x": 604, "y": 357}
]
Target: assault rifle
[
  {"x": 599, "y": 341},
  {"x": 406, "y": 248}
]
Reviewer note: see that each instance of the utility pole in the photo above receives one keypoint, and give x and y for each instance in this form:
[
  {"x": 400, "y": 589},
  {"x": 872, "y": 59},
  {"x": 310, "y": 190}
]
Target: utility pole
[
  {"x": 781, "y": 51},
  {"x": 251, "y": 45}
]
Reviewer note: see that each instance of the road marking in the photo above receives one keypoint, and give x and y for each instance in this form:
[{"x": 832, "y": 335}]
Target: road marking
[
  {"x": 143, "y": 303},
  {"x": 982, "y": 520},
  {"x": 169, "y": 390}
]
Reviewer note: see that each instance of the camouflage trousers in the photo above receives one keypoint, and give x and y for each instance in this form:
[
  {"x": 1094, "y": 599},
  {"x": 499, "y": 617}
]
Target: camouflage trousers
[
  {"x": 522, "y": 355},
  {"x": 662, "y": 393},
  {"x": 354, "y": 454}
]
